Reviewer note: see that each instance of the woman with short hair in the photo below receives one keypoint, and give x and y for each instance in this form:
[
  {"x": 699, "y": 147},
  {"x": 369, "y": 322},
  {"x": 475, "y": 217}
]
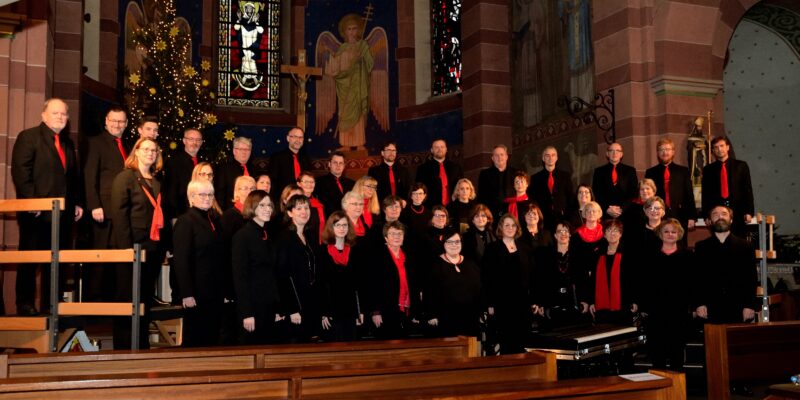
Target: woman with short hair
[
  {"x": 416, "y": 216},
  {"x": 534, "y": 234},
  {"x": 254, "y": 271},
  {"x": 479, "y": 234},
  {"x": 198, "y": 253}
]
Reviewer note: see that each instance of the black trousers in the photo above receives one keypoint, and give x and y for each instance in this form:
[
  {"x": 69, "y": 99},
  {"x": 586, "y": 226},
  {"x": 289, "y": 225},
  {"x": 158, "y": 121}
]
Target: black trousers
[
  {"x": 35, "y": 234},
  {"x": 147, "y": 288}
]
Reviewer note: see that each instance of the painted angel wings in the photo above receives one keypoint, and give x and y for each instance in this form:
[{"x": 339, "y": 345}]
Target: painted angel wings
[{"x": 326, "y": 48}]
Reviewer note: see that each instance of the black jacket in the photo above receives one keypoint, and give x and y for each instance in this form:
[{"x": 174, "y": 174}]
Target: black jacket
[
  {"x": 494, "y": 187},
  {"x": 37, "y": 171},
  {"x": 281, "y": 168},
  {"x": 727, "y": 278},
  {"x": 402, "y": 179},
  {"x": 328, "y": 193},
  {"x": 740, "y": 188},
  {"x": 621, "y": 194},
  {"x": 225, "y": 179},
  {"x": 383, "y": 285},
  {"x": 681, "y": 194},
  {"x": 177, "y": 174},
  {"x": 428, "y": 173},
  {"x": 103, "y": 163},
  {"x": 197, "y": 256},
  {"x": 254, "y": 270},
  {"x": 131, "y": 209},
  {"x": 556, "y": 205}
]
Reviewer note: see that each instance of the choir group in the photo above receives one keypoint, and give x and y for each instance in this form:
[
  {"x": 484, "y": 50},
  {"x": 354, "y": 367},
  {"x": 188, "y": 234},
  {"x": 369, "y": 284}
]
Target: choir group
[{"x": 286, "y": 256}]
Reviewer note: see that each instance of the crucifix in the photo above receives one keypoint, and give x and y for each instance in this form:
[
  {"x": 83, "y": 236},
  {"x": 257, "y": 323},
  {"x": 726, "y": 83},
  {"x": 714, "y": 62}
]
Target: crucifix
[{"x": 301, "y": 73}]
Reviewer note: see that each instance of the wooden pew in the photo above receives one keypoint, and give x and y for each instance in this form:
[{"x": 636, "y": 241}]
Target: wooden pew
[
  {"x": 750, "y": 353},
  {"x": 289, "y": 382},
  {"x": 228, "y": 358},
  {"x": 672, "y": 386}
]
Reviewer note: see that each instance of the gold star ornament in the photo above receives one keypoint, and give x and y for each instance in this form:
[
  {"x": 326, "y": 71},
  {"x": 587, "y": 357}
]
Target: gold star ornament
[
  {"x": 161, "y": 45},
  {"x": 174, "y": 31},
  {"x": 229, "y": 135},
  {"x": 205, "y": 65},
  {"x": 211, "y": 119},
  {"x": 134, "y": 78}
]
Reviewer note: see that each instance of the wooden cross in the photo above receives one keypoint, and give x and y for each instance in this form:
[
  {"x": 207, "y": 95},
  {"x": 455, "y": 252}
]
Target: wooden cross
[{"x": 301, "y": 73}]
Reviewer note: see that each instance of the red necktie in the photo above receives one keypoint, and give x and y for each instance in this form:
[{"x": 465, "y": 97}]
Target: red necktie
[
  {"x": 339, "y": 184},
  {"x": 666, "y": 185},
  {"x": 551, "y": 182},
  {"x": 296, "y": 167},
  {"x": 194, "y": 161},
  {"x": 244, "y": 170},
  {"x": 443, "y": 178},
  {"x": 60, "y": 151},
  {"x": 121, "y": 149},
  {"x": 614, "y": 175},
  {"x": 723, "y": 181},
  {"x": 391, "y": 181}
]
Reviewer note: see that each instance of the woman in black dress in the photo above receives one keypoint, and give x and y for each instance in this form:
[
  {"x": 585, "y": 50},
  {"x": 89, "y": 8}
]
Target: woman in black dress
[
  {"x": 198, "y": 253},
  {"x": 666, "y": 298},
  {"x": 232, "y": 220},
  {"x": 585, "y": 195},
  {"x": 136, "y": 212},
  {"x": 612, "y": 286},
  {"x": 307, "y": 182},
  {"x": 297, "y": 266},
  {"x": 506, "y": 275},
  {"x": 337, "y": 259},
  {"x": 479, "y": 235},
  {"x": 462, "y": 204},
  {"x": 561, "y": 283},
  {"x": 453, "y": 302},
  {"x": 392, "y": 287},
  {"x": 254, "y": 264},
  {"x": 534, "y": 234},
  {"x": 416, "y": 216},
  {"x": 587, "y": 242}
]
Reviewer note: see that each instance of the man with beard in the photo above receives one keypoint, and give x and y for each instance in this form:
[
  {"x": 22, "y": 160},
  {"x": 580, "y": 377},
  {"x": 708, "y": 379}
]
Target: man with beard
[
  {"x": 393, "y": 178},
  {"x": 727, "y": 282},
  {"x": 727, "y": 182},
  {"x": 439, "y": 175},
  {"x": 674, "y": 185}
]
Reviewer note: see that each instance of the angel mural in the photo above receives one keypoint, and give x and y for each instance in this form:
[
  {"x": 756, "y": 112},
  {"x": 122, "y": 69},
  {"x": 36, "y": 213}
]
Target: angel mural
[{"x": 357, "y": 73}]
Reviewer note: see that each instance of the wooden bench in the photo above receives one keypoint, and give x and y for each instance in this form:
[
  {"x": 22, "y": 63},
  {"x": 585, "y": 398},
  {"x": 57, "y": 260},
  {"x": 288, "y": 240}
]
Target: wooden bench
[
  {"x": 289, "y": 382},
  {"x": 229, "y": 358},
  {"x": 672, "y": 386},
  {"x": 761, "y": 352}
]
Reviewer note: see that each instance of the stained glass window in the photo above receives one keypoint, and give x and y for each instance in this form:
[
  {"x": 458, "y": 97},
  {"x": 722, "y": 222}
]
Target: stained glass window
[
  {"x": 446, "y": 46},
  {"x": 248, "y": 58}
]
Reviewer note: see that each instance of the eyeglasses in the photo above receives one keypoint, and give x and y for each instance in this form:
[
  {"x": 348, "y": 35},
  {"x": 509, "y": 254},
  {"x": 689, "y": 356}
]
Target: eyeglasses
[
  {"x": 452, "y": 242},
  {"x": 655, "y": 208},
  {"x": 307, "y": 181},
  {"x": 117, "y": 121},
  {"x": 439, "y": 216},
  {"x": 207, "y": 174},
  {"x": 341, "y": 225},
  {"x": 193, "y": 140},
  {"x": 612, "y": 230},
  {"x": 354, "y": 203},
  {"x": 373, "y": 187},
  {"x": 295, "y": 137},
  {"x": 148, "y": 151},
  {"x": 395, "y": 234},
  {"x": 242, "y": 148},
  {"x": 563, "y": 231},
  {"x": 204, "y": 195}
]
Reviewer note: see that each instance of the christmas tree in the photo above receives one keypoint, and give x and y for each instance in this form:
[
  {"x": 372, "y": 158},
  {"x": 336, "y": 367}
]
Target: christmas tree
[{"x": 170, "y": 88}]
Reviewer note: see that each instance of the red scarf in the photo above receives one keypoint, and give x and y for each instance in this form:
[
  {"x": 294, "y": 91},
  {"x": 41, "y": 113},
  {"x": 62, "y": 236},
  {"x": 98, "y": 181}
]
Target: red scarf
[
  {"x": 590, "y": 235},
  {"x": 603, "y": 298},
  {"x": 512, "y": 204},
  {"x": 158, "y": 215},
  {"x": 359, "y": 228},
  {"x": 367, "y": 214},
  {"x": 339, "y": 257},
  {"x": 321, "y": 213},
  {"x": 404, "y": 301},
  {"x": 239, "y": 206}
]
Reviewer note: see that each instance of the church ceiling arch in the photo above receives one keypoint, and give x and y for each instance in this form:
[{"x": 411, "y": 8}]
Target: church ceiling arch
[{"x": 783, "y": 22}]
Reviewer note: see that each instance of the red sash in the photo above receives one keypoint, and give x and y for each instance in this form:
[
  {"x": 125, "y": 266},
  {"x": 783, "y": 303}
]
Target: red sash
[
  {"x": 603, "y": 298},
  {"x": 404, "y": 301},
  {"x": 321, "y": 213},
  {"x": 339, "y": 257},
  {"x": 512, "y": 204},
  {"x": 158, "y": 215}
]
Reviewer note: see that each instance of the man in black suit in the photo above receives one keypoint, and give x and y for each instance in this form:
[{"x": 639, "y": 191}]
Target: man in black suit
[
  {"x": 439, "y": 174},
  {"x": 393, "y": 178},
  {"x": 226, "y": 174},
  {"x": 331, "y": 187},
  {"x": 551, "y": 188},
  {"x": 674, "y": 185},
  {"x": 178, "y": 172},
  {"x": 286, "y": 165},
  {"x": 615, "y": 184},
  {"x": 105, "y": 158},
  {"x": 496, "y": 183},
  {"x": 735, "y": 192},
  {"x": 727, "y": 276},
  {"x": 43, "y": 164}
]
